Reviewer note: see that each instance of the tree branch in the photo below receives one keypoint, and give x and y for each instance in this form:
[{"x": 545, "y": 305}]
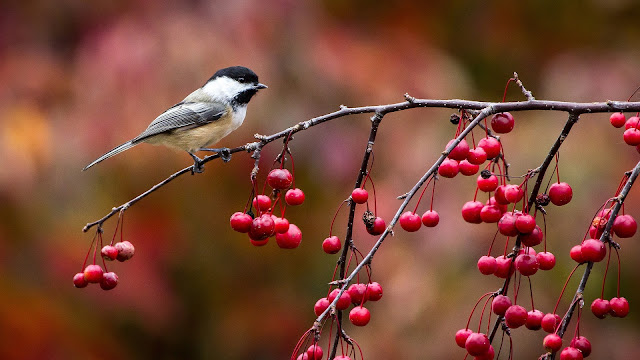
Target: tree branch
[{"x": 572, "y": 107}]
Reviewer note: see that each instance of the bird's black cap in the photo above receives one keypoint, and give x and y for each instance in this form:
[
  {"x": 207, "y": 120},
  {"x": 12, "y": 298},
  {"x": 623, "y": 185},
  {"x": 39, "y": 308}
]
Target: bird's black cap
[{"x": 239, "y": 73}]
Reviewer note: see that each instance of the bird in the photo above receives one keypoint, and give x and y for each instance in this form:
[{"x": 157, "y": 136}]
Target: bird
[{"x": 202, "y": 119}]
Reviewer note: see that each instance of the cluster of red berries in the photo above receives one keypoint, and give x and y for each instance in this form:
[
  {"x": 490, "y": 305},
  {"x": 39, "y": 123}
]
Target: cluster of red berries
[
  {"x": 631, "y": 133},
  {"x": 356, "y": 294},
  {"x": 93, "y": 273},
  {"x": 314, "y": 352},
  {"x": 578, "y": 349},
  {"x": 266, "y": 224},
  {"x": 476, "y": 343}
]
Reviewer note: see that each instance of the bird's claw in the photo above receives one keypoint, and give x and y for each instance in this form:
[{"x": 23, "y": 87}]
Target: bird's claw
[{"x": 225, "y": 154}]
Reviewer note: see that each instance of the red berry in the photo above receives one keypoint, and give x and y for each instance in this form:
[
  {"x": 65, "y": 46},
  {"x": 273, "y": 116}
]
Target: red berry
[
  {"x": 513, "y": 193},
  {"x": 583, "y": 344},
  {"x": 533, "y": 238},
  {"x": 462, "y": 335},
  {"x": 359, "y": 316},
  {"x": 321, "y": 305},
  {"x": 93, "y": 273},
  {"x": 502, "y": 123},
  {"x": 358, "y": 293},
  {"x": 499, "y": 195},
  {"x": 262, "y": 227},
  {"x": 294, "y": 197},
  {"x": 552, "y": 342},
  {"x": 471, "y": 212},
  {"x": 290, "y": 239},
  {"x": 262, "y": 202},
  {"x": 487, "y": 185},
  {"x": 525, "y": 223},
  {"x": 507, "y": 225},
  {"x": 500, "y": 304},
  {"x": 624, "y": 226},
  {"x": 477, "y": 344},
  {"x": 281, "y": 224},
  {"x": 490, "y": 214},
  {"x": 526, "y": 264},
  {"x": 331, "y": 245},
  {"x": 593, "y": 250},
  {"x": 125, "y": 250},
  {"x": 617, "y": 119},
  {"x": 515, "y": 316},
  {"x": 448, "y": 168},
  {"x": 79, "y": 281},
  {"x": 460, "y": 151},
  {"x": 619, "y": 307},
  {"x": 241, "y": 222},
  {"x": 314, "y": 352},
  {"x": 109, "y": 252},
  {"x": 560, "y": 193},
  {"x": 534, "y": 320},
  {"x": 477, "y": 156},
  {"x": 487, "y": 265},
  {"x": 259, "y": 242},
  {"x": 632, "y": 122},
  {"x": 410, "y": 221},
  {"x": 546, "y": 260},
  {"x": 576, "y": 254},
  {"x": 504, "y": 267},
  {"x": 594, "y": 232},
  {"x": 359, "y": 195},
  {"x": 550, "y": 322},
  {"x": 279, "y": 178},
  {"x": 430, "y": 218},
  {"x": 632, "y": 136},
  {"x": 570, "y": 353},
  {"x": 343, "y": 302},
  {"x": 600, "y": 308},
  {"x": 491, "y": 146},
  {"x": 109, "y": 281},
  {"x": 374, "y": 291},
  {"x": 378, "y": 226},
  {"x": 467, "y": 169},
  {"x": 303, "y": 356}
]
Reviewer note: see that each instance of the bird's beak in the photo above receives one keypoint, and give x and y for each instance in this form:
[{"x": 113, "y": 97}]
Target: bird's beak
[{"x": 259, "y": 86}]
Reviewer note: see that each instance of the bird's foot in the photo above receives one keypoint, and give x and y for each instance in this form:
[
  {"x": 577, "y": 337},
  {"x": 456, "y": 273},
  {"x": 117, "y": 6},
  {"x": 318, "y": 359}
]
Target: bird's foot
[
  {"x": 198, "y": 165},
  {"x": 225, "y": 153}
]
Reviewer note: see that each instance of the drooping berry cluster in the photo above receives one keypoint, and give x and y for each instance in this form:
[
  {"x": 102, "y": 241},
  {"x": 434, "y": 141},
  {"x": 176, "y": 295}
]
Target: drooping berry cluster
[
  {"x": 631, "y": 134},
  {"x": 265, "y": 224},
  {"x": 93, "y": 273}
]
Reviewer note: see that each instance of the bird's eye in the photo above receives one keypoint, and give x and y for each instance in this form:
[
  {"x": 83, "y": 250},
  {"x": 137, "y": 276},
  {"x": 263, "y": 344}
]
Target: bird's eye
[{"x": 241, "y": 79}]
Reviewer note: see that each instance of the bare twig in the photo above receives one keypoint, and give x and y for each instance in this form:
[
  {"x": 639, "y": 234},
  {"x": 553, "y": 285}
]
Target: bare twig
[{"x": 572, "y": 107}]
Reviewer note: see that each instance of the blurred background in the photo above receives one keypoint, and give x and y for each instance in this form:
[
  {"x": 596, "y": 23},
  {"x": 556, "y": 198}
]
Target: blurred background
[{"x": 79, "y": 77}]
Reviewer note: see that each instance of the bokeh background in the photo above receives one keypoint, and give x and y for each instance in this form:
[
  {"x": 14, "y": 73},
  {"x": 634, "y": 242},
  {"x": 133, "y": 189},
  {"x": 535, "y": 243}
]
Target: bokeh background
[{"x": 79, "y": 77}]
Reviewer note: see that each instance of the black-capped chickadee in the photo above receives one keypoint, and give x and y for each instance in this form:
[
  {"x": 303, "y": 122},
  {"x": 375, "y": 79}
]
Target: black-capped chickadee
[{"x": 203, "y": 118}]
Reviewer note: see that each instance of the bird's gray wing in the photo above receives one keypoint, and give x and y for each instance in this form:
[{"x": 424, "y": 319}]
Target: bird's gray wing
[{"x": 183, "y": 116}]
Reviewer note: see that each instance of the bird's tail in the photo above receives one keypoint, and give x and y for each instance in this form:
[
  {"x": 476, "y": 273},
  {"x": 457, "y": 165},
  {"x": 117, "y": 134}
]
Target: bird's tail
[{"x": 115, "y": 151}]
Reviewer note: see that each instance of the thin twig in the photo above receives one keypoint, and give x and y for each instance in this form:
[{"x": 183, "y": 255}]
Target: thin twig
[
  {"x": 348, "y": 239},
  {"x": 572, "y": 107}
]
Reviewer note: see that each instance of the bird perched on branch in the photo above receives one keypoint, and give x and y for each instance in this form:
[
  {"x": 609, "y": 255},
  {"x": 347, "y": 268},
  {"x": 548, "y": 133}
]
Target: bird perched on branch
[{"x": 203, "y": 118}]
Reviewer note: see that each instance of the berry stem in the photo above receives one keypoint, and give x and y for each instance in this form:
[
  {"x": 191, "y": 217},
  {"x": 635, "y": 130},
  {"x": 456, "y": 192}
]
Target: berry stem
[{"x": 565, "y": 287}]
